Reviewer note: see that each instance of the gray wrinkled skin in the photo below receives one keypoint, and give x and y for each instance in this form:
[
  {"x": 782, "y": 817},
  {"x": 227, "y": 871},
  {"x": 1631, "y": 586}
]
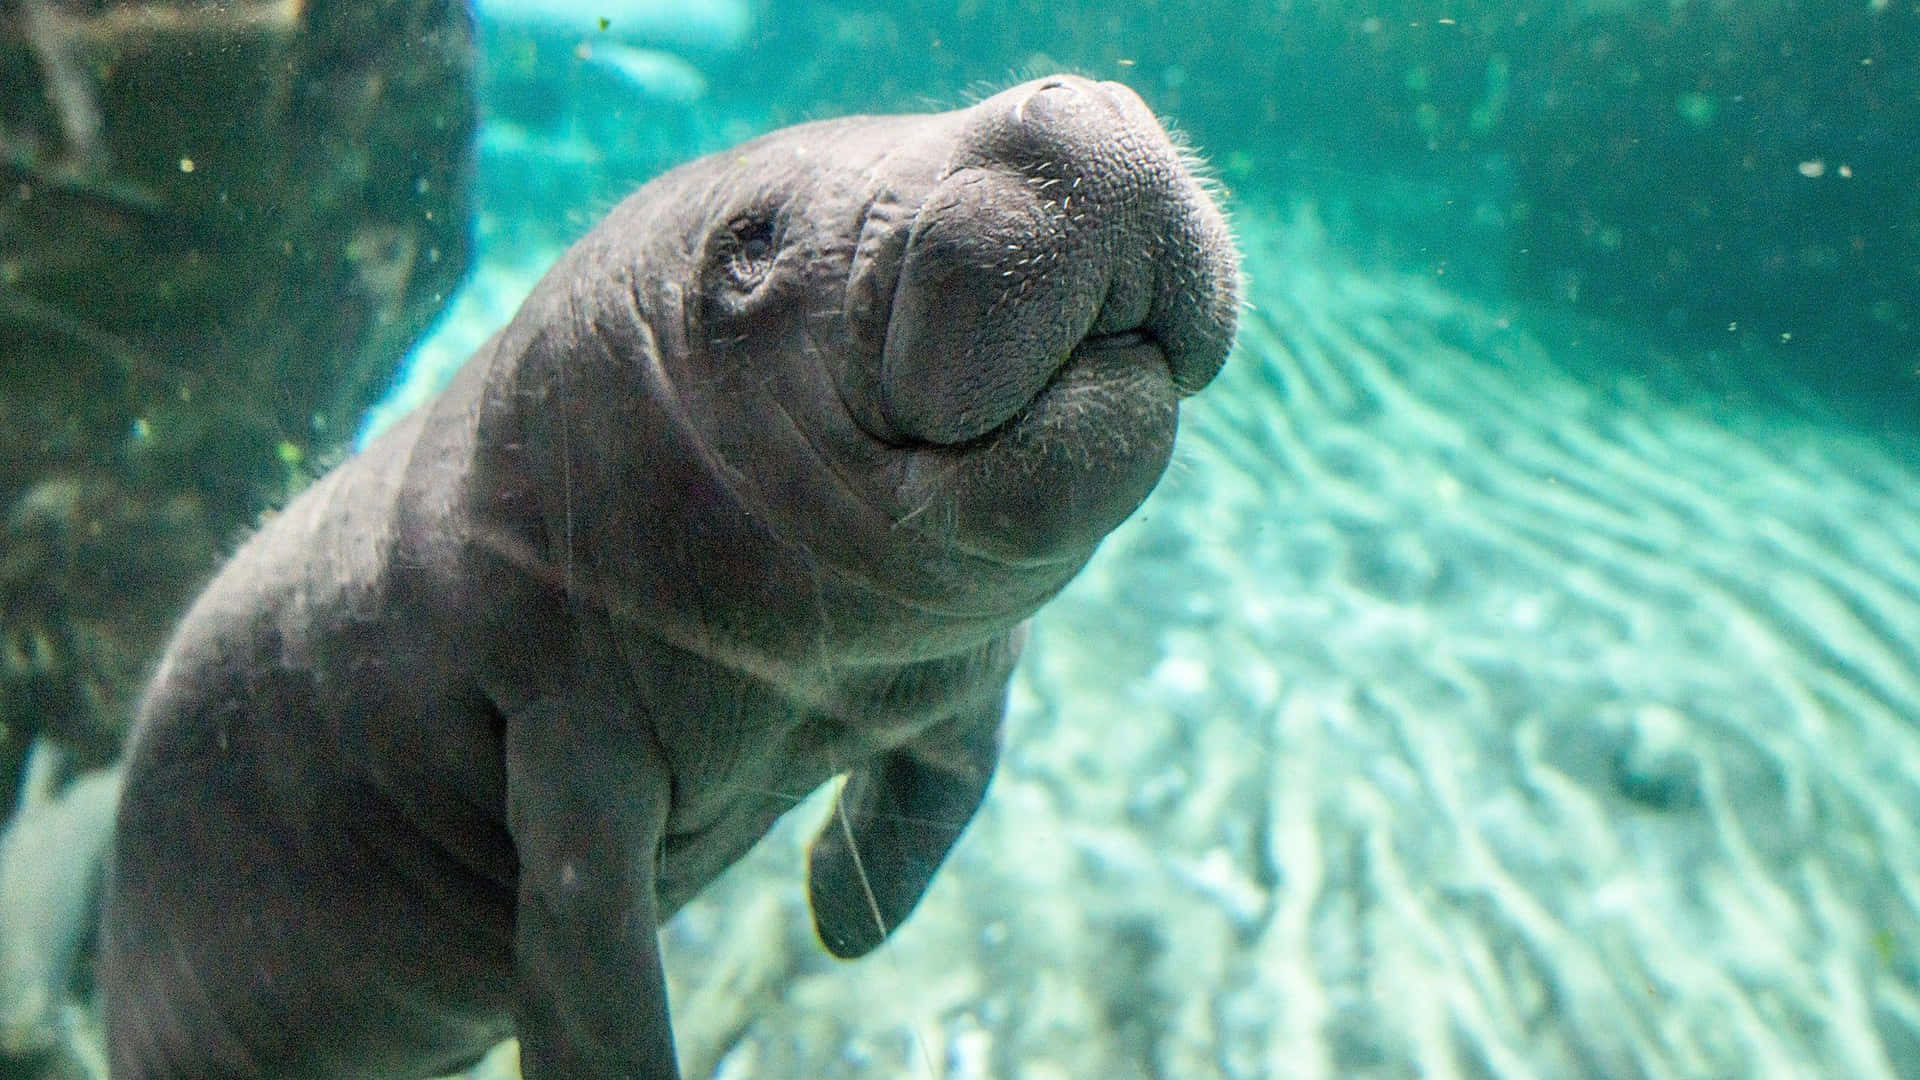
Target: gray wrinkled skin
[{"x": 756, "y": 488}]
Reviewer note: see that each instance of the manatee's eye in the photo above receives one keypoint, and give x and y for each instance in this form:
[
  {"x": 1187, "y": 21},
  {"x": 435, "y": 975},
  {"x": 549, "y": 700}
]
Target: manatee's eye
[{"x": 747, "y": 250}]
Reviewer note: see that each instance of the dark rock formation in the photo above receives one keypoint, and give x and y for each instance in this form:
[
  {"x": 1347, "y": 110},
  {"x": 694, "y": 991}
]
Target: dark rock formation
[{"x": 220, "y": 227}]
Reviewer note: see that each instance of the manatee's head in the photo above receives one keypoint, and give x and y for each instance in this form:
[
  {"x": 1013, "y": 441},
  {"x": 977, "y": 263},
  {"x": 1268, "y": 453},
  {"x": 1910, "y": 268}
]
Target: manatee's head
[{"x": 964, "y": 332}]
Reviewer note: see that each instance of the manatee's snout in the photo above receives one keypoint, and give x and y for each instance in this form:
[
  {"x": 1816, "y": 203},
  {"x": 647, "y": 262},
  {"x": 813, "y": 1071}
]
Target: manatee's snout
[{"x": 1067, "y": 231}]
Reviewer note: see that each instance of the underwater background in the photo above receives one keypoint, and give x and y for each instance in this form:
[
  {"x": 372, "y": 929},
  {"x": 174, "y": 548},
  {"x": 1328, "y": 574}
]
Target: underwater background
[{"x": 1517, "y": 673}]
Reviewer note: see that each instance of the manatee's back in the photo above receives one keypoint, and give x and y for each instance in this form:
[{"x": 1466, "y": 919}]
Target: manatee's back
[{"x": 265, "y": 868}]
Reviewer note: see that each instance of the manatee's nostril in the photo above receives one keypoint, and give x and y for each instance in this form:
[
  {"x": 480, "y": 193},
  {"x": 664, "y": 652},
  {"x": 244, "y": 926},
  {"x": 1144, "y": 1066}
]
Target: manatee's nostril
[{"x": 1054, "y": 92}]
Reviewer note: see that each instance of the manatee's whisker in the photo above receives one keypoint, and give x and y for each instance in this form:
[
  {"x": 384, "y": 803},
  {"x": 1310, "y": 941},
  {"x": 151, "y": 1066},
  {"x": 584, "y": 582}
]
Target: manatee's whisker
[{"x": 909, "y": 516}]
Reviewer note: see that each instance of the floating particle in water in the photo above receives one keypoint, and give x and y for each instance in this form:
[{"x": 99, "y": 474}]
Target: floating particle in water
[{"x": 1697, "y": 109}]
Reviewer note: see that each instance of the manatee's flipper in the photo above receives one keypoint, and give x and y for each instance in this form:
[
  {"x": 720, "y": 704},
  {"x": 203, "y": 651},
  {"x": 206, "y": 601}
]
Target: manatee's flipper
[
  {"x": 897, "y": 818},
  {"x": 587, "y": 801}
]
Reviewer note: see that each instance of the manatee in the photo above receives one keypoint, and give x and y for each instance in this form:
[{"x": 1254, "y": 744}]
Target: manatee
[{"x": 757, "y": 488}]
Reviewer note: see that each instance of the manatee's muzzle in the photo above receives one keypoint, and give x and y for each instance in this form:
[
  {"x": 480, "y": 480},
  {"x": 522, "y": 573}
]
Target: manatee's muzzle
[{"x": 1066, "y": 229}]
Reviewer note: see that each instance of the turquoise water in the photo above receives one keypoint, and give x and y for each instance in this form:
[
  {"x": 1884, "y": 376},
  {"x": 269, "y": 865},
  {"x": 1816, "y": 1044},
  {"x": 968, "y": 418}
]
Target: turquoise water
[{"x": 1516, "y": 674}]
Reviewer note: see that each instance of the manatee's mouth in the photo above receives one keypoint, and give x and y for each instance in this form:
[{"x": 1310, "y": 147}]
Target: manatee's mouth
[
  {"x": 1125, "y": 339},
  {"x": 1098, "y": 360},
  {"x": 1108, "y": 382},
  {"x": 1070, "y": 462}
]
